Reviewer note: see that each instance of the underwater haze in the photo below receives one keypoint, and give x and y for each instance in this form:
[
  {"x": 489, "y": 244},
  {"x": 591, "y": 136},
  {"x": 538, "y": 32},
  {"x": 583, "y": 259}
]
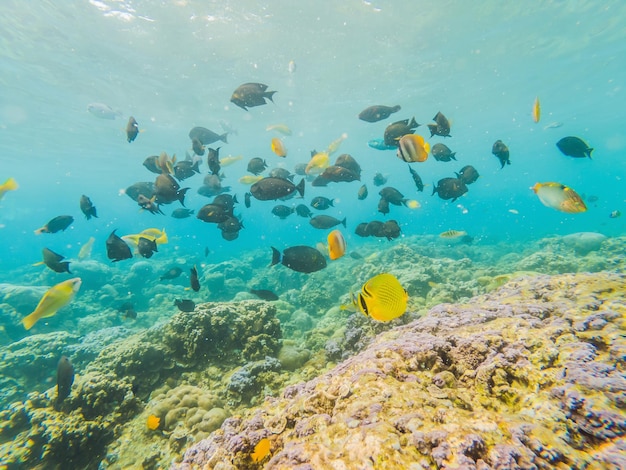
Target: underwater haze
[{"x": 528, "y": 74}]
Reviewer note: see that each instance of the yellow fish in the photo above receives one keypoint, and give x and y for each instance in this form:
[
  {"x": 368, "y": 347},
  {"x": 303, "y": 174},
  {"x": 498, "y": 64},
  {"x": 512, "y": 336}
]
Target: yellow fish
[
  {"x": 336, "y": 244},
  {"x": 280, "y": 128},
  {"x": 150, "y": 233},
  {"x": 230, "y": 160},
  {"x": 412, "y": 148},
  {"x": 56, "y": 297},
  {"x": 8, "y": 185},
  {"x": 334, "y": 145},
  {"x": 382, "y": 298},
  {"x": 559, "y": 197},
  {"x": 413, "y": 204},
  {"x": 261, "y": 450},
  {"x": 278, "y": 147},
  {"x": 250, "y": 179},
  {"x": 453, "y": 234},
  {"x": 536, "y": 110},
  {"x": 318, "y": 163}
]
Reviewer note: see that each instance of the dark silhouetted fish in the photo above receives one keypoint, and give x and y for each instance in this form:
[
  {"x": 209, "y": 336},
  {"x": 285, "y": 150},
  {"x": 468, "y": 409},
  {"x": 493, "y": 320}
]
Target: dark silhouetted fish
[
  {"x": 500, "y": 150},
  {"x": 167, "y": 190},
  {"x": 182, "y": 213},
  {"x": 171, "y": 273},
  {"x": 256, "y": 165},
  {"x": 395, "y": 131},
  {"x": 321, "y": 203},
  {"x": 149, "y": 204},
  {"x": 185, "y": 305},
  {"x": 378, "y": 113},
  {"x": 281, "y": 211},
  {"x": 450, "y": 188},
  {"x": 127, "y": 309},
  {"x": 152, "y": 164},
  {"x": 269, "y": 189},
  {"x": 117, "y": 249},
  {"x": 417, "y": 179},
  {"x": 250, "y": 95},
  {"x": 326, "y": 221},
  {"x": 146, "y": 247},
  {"x": 54, "y": 261},
  {"x": 468, "y": 174},
  {"x": 59, "y": 223},
  {"x": 574, "y": 147},
  {"x": 194, "y": 282},
  {"x": 87, "y": 207},
  {"x": 264, "y": 294},
  {"x": 65, "y": 378},
  {"x": 442, "y": 126},
  {"x": 393, "y": 196},
  {"x": 442, "y": 153},
  {"x": 132, "y": 129},
  {"x": 146, "y": 188},
  {"x": 301, "y": 258},
  {"x": 205, "y": 136}
]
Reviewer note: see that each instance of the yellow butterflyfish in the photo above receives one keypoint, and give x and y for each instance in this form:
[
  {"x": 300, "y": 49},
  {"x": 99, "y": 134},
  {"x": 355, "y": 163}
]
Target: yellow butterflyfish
[{"x": 382, "y": 298}]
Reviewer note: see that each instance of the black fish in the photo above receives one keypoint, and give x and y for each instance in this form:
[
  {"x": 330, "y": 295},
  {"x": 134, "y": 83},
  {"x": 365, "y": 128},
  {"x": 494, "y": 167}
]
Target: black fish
[
  {"x": 146, "y": 247},
  {"x": 256, "y": 165},
  {"x": 378, "y": 113},
  {"x": 149, "y": 204},
  {"x": 117, "y": 249},
  {"x": 282, "y": 212},
  {"x": 362, "y": 194},
  {"x": 205, "y": 136},
  {"x": 500, "y": 150},
  {"x": 391, "y": 229},
  {"x": 193, "y": 279},
  {"x": 442, "y": 153},
  {"x": 246, "y": 200},
  {"x": 375, "y": 229},
  {"x": 269, "y": 188},
  {"x": 348, "y": 162},
  {"x": 87, "y": 207},
  {"x": 395, "y": 131},
  {"x": 574, "y": 147},
  {"x": 250, "y": 95},
  {"x": 450, "y": 188},
  {"x": 226, "y": 201},
  {"x": 301, "y": 258},
  {"x": 146, "y": 188},
  {"x": 338, "y": 174},
  {"x": 303, "y": 211},
  {"x": 392, "y": 196},
  {"x": 321, "y": 203},
  {"x": 283, "y": 173},
  {"x": 181, "y": 213},
  {"x": 468, "y": 174},
  {"x": 132, "y": 129},
  {"x": 416, "y": 179},
  {"x": 186, "y": 169},
  {"x": 152, "y": 164},
  {"x": 213, "y": 213},
  {"x": 379, "y": 179},
  {"x": 264, "y": 294},
  {"x": 383, "y": 206},
  {"x": 65, "y": 378},
  {"x": 213, "y": 160},
  {"x": 167, "y": 190},
  {"x": 53, "y": 261},
  {"x": 361, "y": 230},
  {"x": 55, "y": 225},
  {"x": 127, "y": 309},
  {"x": 172, "y": 273},
  {"x": 442, "y": 126},
  {"x": 231, "y": 225},
  {"x": 197, "y": 147},
  {"x": 326, "y": 221},
  {"x": 185, "y": 305}
]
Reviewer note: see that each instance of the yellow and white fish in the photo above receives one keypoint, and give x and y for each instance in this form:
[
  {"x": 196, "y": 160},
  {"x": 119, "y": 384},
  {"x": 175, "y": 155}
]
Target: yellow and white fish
[
  {"x": 160, "y": 236},
  {"x": 85, "y": 250},
  {"x": 559, "y": 197},
  {"x": 280, "y": 128},
  {"x": 318, "y": 163},
  {"x": 229, "y": 160},
  {"x": 336, "y": 244},
  {"x": 334, "y": 145},
  {"x": 56, "y": 297},
  {"x": 412, "y": 148},
  {"x": 8, "y": 185},
  {"x": 250, "y": 179},
  {"x": 278, "y": 147},
  {"x": 382, "y": 298},
  {"x": 536, "y": 110}
]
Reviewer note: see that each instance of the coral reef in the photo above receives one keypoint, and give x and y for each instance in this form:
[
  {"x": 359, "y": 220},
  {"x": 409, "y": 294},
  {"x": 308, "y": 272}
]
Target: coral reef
[{"x": 528, "y": 377}]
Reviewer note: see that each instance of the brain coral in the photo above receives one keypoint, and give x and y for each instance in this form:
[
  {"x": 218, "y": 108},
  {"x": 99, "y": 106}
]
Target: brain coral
[{"x": 528, "y": 377}]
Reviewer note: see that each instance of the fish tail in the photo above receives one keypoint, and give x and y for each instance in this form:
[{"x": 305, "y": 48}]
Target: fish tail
[
  {"x": 413, "y": 122},
  {"x": 589, "y": 152},
  {"x": 434, "y": 189},
  {"x": 452, "y": 156},
  {"x": 269, "y": 95},
  {"x": 39, "y": 231},
  {"x": 343, "y": 222},
  {"x": 275, "y": 256},
  {"x": 29, "y": 320},
  {"x": 181, "y": 196},
  {"x": 224, "y": 138},
  {"x": 11, "y": 184},
  {"x": 300, "y": 187}
]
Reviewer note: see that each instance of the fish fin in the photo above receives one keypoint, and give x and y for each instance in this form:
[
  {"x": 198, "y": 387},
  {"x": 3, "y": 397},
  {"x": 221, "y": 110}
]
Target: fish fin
[
  {"x": 29, "y": 320},
  {"x": 269, "y": 95},
  {"x": 343, "y": 222},
  {"x": 300, "y": 187},
  {"x": 223, "y": 138},
  {"x": 589, "y": 152},
  {"x": 38, "y": 263},
  {"x": 181, "y": 197},
  {"x": 275, "y": 256},
  {"x": 39, "y": 231}
]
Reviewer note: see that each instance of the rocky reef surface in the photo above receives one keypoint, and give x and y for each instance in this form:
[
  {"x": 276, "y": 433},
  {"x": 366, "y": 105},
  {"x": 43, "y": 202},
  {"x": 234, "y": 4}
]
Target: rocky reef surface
[{"x": 530, "y": 376}]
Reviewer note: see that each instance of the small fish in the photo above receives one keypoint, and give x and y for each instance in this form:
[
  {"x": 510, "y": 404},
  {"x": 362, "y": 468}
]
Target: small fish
[
  {"x": 280, "y": 128},
  {"x": 419, "y": 184},
  {"x": 54, "y": 261},
  {"x": 500, "y": 150},
  {"x": 9, "y": 185},
  {"x": 379, "y": 144},
  {"x": 450, "y": 188},
  {"x": 282, "y": 212},
  {"x": 453, "y": 234},
  {"x": 194, "y": 282},
  {"x": 249, "y": 95},
  {"x": 378, "y": 112},
  {"x": 213, "y": 161},
  {"x": 269, "y": 189},
  {"x": 326, "y": 221},
  {"x": 334, "y": 145},
  {"x": 182, "y": 213},
  {"x": 379, "y": 179},
  {"x": 362, "y": 194},
  {"x": 159, "y": 236},
  {"x": 261, "y": 450},
  {"x": 536, "y": 110},
  {"x": 442, "y": 126},
  {"x": 132, "y": 129},
  {"x": 412, "y": 148},
  {"x": 247, "y": 200},
  {"x": 395, "y": 131},
  {"x": 615, "y": 214},
  {"x": 206, "y": 136},
  {"x": 256, "y": 165},
  {"x": 336, "y": 245},
  {"x": 382, "y": 298},
  {"x": 560, "y": 197},
  {"x": 153, "y": 422},
  {"x": 117, "y": 249},
  {"x": 442, "y": 153},
  {"x": 59, "y": 223},
  {"x": 55, "y": 298},
  {"x": 65, "y": 378},
  {"x": 87, "y": 207},
  {"x": 127, "y": 309},
  {"x": 171, "y": 273},
  {"x": 393, "y": 196},
  {"x": 574, "y": 147},
  {"x": 321, "y": 203},
  {"x": 278, "y": 147},
  {"x": 229, "y": 160},
  {"x": 103, "y": 111},
  {"x": 468, "y": 174},
  {"x": 85, "y": 250},
  {"x": 301, "y": 258},
  {"x": 318, "y": 163},
  {"x": 250, "y": 179},
  {"x": 264, "y": 294},
  {"x": 149, "y": 204},
  {"x": 185, "y": 305},
  {"x": 146, "y": 247}
]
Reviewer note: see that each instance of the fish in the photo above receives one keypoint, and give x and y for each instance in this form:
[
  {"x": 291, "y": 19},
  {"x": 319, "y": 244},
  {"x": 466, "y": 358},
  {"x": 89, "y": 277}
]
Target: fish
[
  {"x": 442, "y": 126},
  {"x": 449, "y": 188},
  {"x": 334, "y": 145},
  {"x": 615, "y": 214},
  {"x": 149, "y": 204},
  {"x": 153, "y": 422},
  {"x": 167, "y": 190},
  {"x": 9, "y": 185},
  {"x": 256, "y": 165},
  {"x": 57, "y": 224},
  {"x": 381, "y": 298},
  {"x": 391, "y": 230},
  {"x": 270, "y": 188},
  {"x": 574, "y": 147},
  {"x": 213, "y": 160},
  {"x": 300, "y": 258},
  {"x": 185, "y": 305},
  {"x": 54, "y": 299},
  {"x": 282, "y": 212},
  {"x": 206, "y": 136},
  {"x": 184, "y": 169},
  {"x": 146, "y": 247},
  {"x": 468, "y": 174},
  {"x": 152, "y": 164},
  {"x": 412, "y": 148},
  {"x": 166, "y": 163},
  {"x": 559, "y": 197},
  {"x": 278, "y": 147},
  {"x": 338, "y": 174},
  {"x": 229, "y": 160},
  {"x": 250, "y": 179},
  {"x": 283, "y": 173},
  {"x": 318, "y": 163},
  {"x": 264, "y": 294},
  {"x": 362, "y": 194},
  {"x": 87, "y": 207},
  {"x": 321, "y": 203},
  {"x": 383, "y": 206},
  {"x": 171, "y": 273},
  {"x": 55, "y": 261},
  {"x": 193, "y": 279},
  {"x": 379, "y": 144},
  {"x": 442, "y": 153},
  {"x": 553, "y": 125},
  {"x": 85, "y": 250},
  {"x": 247, "y": 200},
  {"x": 213, "y": 213},
  {"x": 347, "y": 161},
  {"x": 261, "y": 450},
  {"x": 413, "y": 204},
  {"x": 500, "y": 150},
  {"x": 197, "y": 146},
  {"x": 250, "y": 95},
  {"x": 103, "y": 111},
  {"x": 300, "y": 169},
  {"x": 378, "y": 112},
  {"x": 393, "y": 196},
  {"x": 65, "y": 378},
  {"x": 132, "y": 129},
  {"x": 117, "y": 249},
  {"x": 326, "y": 221},
  {"x": 159, "y": 236},
  {"x": 127, "y": 309},
  {"x": 280, "y": 128},
  {"x": 303, "y": 211},
  {"x": 145, "y": 188},
  {"x": 181, "y": 213},
  {"x": 453, "y": 234},
  {"x": 379, "y": 179},
  {"x": 336, "y": 244},
  {"x": 395, "y": 131},
  {"x": 419, "y": 184},
  {"x": 536, "y": 110}
]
